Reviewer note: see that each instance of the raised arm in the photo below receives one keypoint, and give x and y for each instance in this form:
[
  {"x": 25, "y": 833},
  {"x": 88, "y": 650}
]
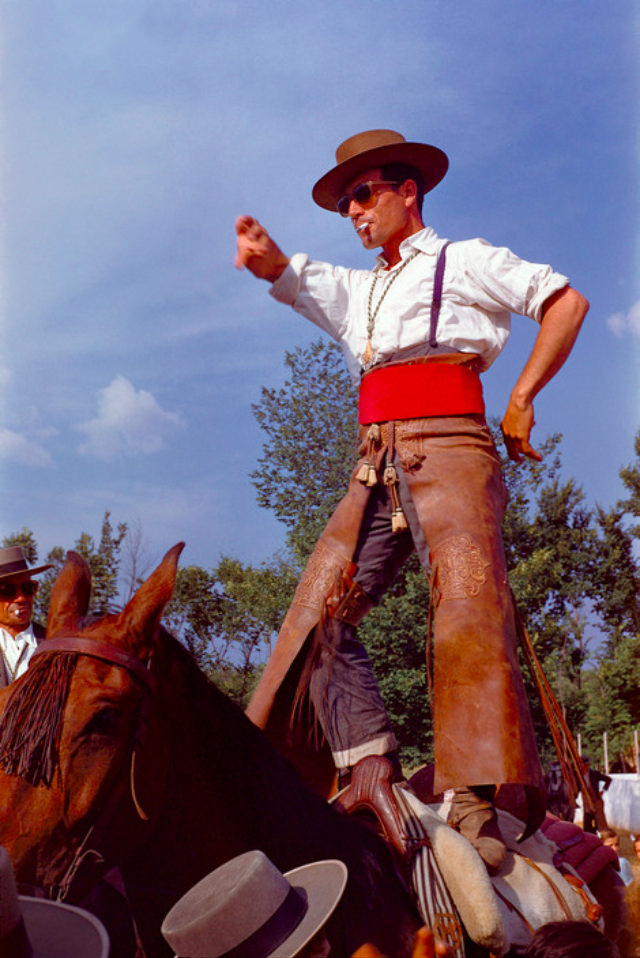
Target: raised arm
[
  {"x": 562, "y": 317},
  {"x": 257, "y": 251}
]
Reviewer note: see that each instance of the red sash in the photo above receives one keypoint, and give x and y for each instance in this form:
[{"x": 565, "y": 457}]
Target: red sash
[{"x": 414, "y": 390}]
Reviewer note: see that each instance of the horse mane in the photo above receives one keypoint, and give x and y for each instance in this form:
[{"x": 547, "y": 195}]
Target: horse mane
[{"x": 31, "y": 723}]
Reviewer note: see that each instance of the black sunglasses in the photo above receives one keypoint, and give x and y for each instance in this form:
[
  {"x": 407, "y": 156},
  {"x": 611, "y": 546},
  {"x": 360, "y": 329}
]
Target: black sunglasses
[
  {"x": 9, "y": 590},
  {"x": 364, "y": 194}
]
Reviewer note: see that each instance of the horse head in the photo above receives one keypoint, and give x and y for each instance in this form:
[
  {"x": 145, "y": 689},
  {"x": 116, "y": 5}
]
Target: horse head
[{"x": 70, "y": 724}]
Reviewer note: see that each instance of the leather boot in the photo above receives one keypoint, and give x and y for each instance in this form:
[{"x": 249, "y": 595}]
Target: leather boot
[
  {"x": 370, "y": 789},
  {"x": 473, "y": 815}
]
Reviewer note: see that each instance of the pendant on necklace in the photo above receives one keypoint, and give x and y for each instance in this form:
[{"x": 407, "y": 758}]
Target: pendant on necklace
[{"x": 367, "y": 354}]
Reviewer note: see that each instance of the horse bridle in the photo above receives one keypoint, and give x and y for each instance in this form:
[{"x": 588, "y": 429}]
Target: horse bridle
[
  {"x": 99, "y": 650},
  {"x": 86, "y": 855}
]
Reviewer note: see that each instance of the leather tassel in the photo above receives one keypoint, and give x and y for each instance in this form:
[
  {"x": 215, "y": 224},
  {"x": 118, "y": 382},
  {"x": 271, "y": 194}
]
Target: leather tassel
[
  {"x": 367, "y": 471},
  {"x": 363, "y": 472},
  {"x": 398, "y": 521}
]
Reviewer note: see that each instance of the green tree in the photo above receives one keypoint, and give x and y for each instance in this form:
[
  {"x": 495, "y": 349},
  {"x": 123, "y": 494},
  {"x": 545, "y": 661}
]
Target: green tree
[
  {"x": 223, "y": 635},
  {"x": 616, "y": 576},
  {"x": 103, "y": 561},
  {"x": 310, "y": 426}
]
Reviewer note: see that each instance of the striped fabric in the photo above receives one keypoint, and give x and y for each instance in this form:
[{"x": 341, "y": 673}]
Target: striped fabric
[{"x": 434, "y": 901}]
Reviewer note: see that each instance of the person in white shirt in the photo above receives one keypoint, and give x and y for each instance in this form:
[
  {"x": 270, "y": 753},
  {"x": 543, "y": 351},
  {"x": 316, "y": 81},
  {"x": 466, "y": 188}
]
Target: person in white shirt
[
  {"x": 417, "y": 331},
  {"x": 19, "y": 636}
]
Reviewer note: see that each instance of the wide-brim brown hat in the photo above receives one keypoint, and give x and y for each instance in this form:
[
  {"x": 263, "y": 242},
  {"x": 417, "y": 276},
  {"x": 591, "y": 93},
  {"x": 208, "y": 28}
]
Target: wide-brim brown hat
[
  {"x": 13, "y": 563},
  {"x": 375, "y": 148},
  {"x": 247, "y": 908}
]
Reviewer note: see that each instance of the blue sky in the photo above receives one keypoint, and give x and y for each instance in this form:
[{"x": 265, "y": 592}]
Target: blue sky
[{"x": 135, "y": 132}]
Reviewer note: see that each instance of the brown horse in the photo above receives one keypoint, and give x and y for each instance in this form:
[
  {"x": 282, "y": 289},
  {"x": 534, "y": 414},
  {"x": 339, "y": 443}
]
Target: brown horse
[{"x": 116, "y": 750}]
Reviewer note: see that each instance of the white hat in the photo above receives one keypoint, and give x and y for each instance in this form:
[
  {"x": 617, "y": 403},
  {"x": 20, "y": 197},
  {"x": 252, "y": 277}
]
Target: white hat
[
  {"x": 247, "y": 908},
  {"x": 38, "y": 928}
]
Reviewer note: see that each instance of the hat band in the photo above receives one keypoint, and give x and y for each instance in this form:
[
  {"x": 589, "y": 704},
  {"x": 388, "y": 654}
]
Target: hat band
[
  {"x": 15, "y": 944},
  {"x": 274, "y": 931},
  {"x": 12, "y": 568}
]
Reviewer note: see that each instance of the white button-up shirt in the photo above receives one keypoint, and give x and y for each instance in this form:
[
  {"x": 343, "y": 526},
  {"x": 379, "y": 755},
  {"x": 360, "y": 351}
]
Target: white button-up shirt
[
  {"x": 483, "y": 285},
  {"x": 16, "y": 651}
]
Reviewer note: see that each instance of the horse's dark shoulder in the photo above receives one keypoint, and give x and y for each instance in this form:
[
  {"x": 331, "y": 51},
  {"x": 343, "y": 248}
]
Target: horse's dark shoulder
[{"x": 278, "y": 812}]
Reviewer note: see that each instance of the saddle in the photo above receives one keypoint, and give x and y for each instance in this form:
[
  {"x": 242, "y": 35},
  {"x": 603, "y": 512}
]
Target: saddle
[{"x": 452, "y": 888}]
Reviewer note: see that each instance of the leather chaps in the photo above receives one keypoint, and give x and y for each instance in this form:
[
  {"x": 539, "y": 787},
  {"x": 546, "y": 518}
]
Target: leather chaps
[{"x": 483, "y": 733}]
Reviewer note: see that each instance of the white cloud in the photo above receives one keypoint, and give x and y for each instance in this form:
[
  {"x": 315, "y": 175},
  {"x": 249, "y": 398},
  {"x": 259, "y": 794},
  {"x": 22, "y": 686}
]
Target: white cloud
[
  {"x": 17, "y": 448},
  {"x": 622, "y": 324},
  {"x": 129, "y": 422}
]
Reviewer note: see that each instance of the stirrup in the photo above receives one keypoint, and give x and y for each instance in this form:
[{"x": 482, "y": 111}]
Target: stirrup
[{"x": 371, "y": 789}]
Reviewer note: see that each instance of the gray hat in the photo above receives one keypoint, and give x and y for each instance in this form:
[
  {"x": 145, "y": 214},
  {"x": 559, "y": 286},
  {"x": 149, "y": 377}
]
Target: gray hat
[
  {"x": 247, "y": 908},
  {"x": 13, "y": 562},
  {"x": 45, "y": 929}
]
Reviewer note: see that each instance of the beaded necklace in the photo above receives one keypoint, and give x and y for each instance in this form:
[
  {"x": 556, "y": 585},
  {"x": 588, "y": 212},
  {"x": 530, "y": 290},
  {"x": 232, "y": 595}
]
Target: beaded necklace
[{"x": 373, "y": 313}]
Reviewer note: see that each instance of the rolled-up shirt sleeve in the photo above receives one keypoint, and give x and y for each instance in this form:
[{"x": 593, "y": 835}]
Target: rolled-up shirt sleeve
[
  {"x": 502, "y": 280},
  {"x": 319, "y": 291}
]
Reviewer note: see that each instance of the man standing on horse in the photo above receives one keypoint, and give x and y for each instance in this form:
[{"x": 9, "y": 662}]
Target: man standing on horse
[
  {"x": 19, "y": 636},
  {"x": 417, "y": 331}
]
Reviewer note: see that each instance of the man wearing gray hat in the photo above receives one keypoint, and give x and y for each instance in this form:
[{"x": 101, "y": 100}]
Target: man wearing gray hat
[
  {"x": 19, "y": 636},
  {"x": 417, "y": 330}
]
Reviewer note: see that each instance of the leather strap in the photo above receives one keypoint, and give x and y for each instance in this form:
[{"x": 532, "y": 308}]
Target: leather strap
[
  {"x": 436, "y": 302},
  {"x": 98, "y": 650}
]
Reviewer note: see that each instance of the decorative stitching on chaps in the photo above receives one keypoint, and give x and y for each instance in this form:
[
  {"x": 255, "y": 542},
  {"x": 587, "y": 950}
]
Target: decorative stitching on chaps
[
  {"x": 460, "y": 570},
  {"x": 321, "y": 578}
]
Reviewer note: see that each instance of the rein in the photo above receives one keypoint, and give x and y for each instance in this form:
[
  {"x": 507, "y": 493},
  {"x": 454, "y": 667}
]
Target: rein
[{"x": 87, "y": 857}]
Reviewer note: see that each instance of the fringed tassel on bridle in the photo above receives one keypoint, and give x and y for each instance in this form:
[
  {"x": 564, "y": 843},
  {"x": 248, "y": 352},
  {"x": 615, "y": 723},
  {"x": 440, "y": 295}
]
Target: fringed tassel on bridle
[{"x": 31, "y": 724}]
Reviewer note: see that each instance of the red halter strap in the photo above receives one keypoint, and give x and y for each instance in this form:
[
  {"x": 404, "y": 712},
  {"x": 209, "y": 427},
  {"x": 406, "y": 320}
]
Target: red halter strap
[{"x": 99, "y": 650}]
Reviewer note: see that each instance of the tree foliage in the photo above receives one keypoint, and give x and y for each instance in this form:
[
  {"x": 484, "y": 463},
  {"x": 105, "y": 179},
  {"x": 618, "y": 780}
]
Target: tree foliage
[
  {"x": 310, "y": 427},
  {"x": 103, "y": 561}
]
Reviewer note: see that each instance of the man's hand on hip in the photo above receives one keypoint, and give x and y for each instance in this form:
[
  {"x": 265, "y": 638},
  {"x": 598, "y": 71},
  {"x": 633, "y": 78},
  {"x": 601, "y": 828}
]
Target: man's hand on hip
[{"x": 516, "y": 428}]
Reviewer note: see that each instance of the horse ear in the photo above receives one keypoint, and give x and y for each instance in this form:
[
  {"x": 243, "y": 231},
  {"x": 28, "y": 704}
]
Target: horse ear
[
  {"x": 141, "y": 615},
  {"x": 69, "y": 596}
]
